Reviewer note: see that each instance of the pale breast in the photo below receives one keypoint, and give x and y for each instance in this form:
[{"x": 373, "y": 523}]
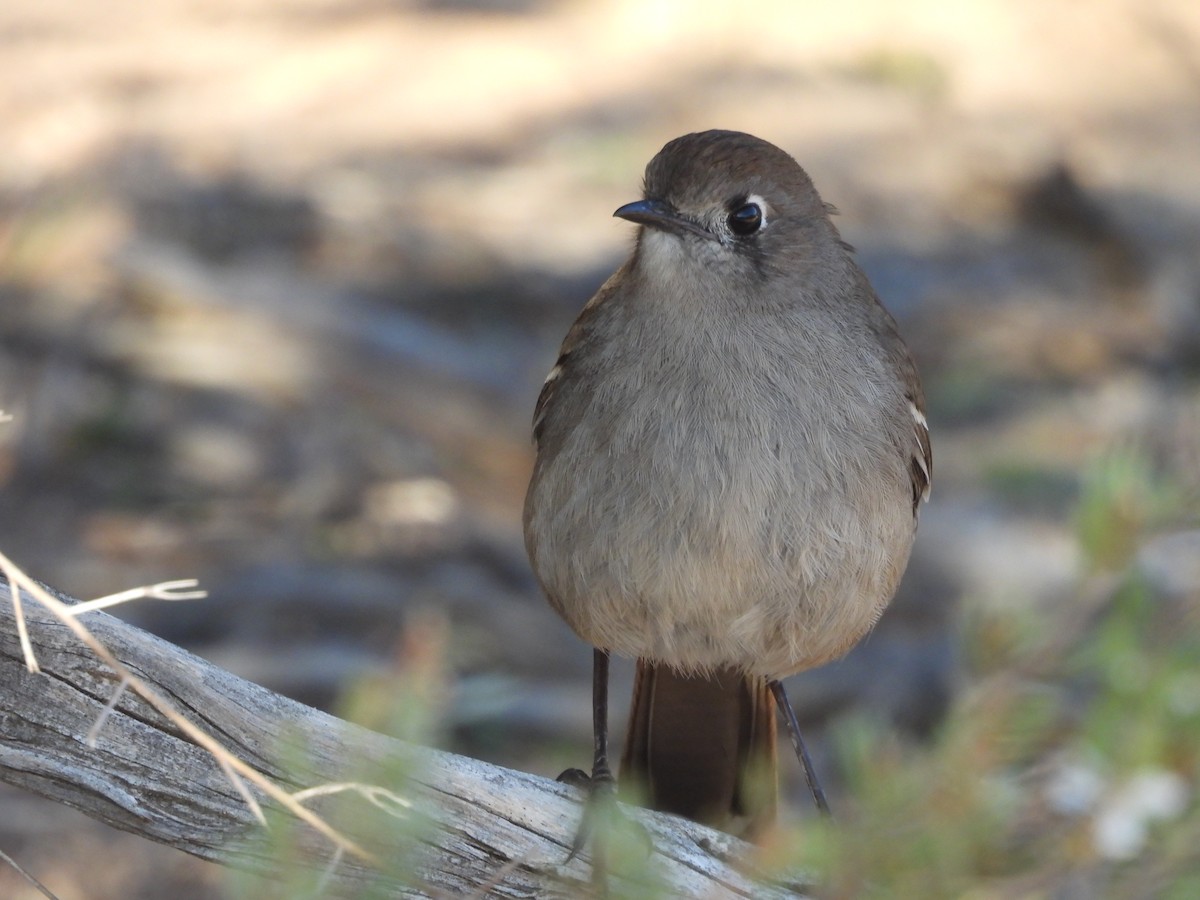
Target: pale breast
[{"x": 739, "y": 516}]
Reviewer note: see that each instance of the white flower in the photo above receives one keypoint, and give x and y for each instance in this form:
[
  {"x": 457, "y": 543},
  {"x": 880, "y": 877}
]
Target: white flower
[{"x": 1122, "y": 825}]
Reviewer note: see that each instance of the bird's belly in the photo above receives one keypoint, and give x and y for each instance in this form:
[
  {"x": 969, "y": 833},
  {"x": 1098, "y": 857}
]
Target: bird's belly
[{"x": 714, "y": 553}]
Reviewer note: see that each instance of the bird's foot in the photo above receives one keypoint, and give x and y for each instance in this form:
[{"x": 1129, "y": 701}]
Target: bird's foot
[
  {"x": 603, "y": 827},
  {"x": 576, "y": 778},
  {"x": 600, "y": 811}
]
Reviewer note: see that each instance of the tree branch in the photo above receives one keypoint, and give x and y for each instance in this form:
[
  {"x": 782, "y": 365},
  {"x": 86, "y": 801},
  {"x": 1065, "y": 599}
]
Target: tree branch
[{"x": 486, "y": 829}]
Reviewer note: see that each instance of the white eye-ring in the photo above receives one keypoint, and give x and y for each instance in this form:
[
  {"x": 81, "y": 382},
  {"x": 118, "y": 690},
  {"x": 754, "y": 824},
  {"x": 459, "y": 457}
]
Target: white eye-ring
[{"x": 748, "y": 216}]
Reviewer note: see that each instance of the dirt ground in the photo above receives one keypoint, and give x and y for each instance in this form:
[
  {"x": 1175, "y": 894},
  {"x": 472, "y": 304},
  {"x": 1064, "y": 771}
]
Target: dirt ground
[{"x": 279, "y": 282}]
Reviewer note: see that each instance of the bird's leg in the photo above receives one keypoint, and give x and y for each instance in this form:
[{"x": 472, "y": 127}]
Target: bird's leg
[
  {"x": 602, "y": 776},
  {"x": 600, "y": 785},
  {"x": 793, "y": 727}
]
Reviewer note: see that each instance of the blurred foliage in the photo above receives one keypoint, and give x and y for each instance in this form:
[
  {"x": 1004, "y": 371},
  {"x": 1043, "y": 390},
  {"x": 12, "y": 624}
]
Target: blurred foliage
[
  {"x": 405, "y": 703},
  {"x": 1067, "y": 768},
  {"x": 1030, "y": 485},
  {"x": 1123, "y": 497}
]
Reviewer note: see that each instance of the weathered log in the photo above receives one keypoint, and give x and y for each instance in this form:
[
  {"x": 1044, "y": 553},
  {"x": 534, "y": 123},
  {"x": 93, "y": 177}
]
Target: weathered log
[{"x": 472, "y": 828}]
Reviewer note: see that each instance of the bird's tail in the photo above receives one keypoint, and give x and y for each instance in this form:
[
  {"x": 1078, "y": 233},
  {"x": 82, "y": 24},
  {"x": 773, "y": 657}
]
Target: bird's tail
[{"x": 703, "y": 746}]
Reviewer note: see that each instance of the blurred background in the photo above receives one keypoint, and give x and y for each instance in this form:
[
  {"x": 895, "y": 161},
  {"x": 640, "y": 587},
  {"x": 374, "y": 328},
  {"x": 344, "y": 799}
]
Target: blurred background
[{"x": 279, "y": 282}]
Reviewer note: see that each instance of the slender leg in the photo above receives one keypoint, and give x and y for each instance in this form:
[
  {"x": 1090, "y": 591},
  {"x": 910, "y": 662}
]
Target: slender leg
[
  {"x": 793, "y": 727},
  {"x": 601, "y": 817},
  {"x": 602, "y": 775},
  {"x": 600, "y": 785},
  {"x": 602, "y": 797}
]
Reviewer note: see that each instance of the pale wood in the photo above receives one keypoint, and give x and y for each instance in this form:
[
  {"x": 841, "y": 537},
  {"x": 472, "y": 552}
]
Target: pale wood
[{"x": 494, "y": 831}]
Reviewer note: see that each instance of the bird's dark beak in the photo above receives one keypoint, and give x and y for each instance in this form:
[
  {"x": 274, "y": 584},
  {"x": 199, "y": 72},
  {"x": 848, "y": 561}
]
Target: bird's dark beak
[{"x": 662, "y": 216}]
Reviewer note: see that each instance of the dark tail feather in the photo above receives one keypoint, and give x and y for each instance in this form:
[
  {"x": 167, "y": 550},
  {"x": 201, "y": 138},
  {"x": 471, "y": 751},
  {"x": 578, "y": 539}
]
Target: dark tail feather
[{"x": 703, "y": 746}]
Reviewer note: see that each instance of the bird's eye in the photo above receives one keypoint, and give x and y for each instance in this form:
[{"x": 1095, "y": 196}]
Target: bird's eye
[{"x": 746, "y": 219}]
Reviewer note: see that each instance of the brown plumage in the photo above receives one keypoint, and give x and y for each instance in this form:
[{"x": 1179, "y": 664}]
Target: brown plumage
[
  {"x": 703, "y": 746},
  {"x": 731, "y": 450}
]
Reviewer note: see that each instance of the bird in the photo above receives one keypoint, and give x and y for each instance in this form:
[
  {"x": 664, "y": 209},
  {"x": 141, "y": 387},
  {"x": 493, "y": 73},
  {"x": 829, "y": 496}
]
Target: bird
[{"x": 731, "y": 454}]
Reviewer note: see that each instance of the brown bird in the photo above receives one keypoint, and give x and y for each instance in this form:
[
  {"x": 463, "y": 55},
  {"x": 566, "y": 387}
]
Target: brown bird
[{"x": 731, "y": 452}]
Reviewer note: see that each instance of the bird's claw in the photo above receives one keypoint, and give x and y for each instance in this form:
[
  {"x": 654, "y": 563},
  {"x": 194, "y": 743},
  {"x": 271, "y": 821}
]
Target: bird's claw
[{"x": 576, "y": 778}]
